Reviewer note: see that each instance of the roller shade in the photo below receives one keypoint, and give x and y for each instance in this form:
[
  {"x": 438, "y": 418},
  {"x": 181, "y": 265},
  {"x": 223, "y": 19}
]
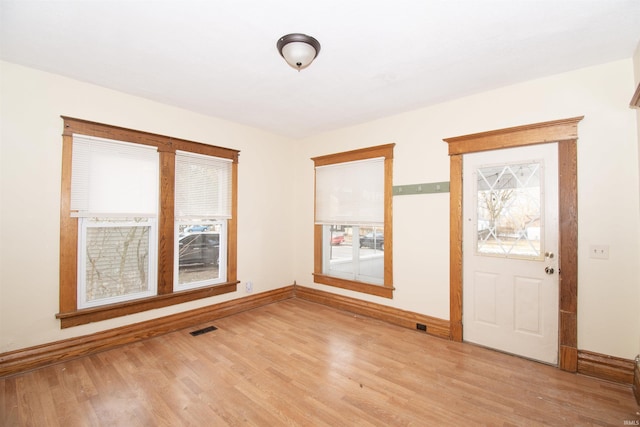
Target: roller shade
[{"x": 350, "y": 193}]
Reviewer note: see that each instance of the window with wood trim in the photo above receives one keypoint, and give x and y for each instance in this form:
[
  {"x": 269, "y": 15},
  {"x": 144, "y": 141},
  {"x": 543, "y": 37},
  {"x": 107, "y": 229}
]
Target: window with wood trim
[
  {"x": 353, "y": 220},
  {"x": 146, "y": 221}
]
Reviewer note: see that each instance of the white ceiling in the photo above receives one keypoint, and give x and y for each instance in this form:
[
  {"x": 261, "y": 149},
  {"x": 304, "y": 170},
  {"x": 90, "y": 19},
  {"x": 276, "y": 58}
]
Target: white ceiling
[{"x": 219, "y": 57}]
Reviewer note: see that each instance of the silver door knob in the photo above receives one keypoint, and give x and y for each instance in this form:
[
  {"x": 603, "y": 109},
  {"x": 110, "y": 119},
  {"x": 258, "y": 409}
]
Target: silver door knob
[{"x": 549, "y": 270}]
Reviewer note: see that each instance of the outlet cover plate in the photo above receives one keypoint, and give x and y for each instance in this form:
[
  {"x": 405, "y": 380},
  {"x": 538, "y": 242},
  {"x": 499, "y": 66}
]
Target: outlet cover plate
[{"x": 599, "y": 251}]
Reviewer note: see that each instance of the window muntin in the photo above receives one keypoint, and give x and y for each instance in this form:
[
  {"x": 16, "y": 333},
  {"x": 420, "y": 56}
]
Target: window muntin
[{"x": 353, "y": 191}]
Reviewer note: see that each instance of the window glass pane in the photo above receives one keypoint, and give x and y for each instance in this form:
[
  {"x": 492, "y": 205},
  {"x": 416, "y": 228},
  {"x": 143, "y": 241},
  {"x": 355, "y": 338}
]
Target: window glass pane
[
  {"x": 371, "y": 255},
  {"x": 354, "y": 253},
  {"x": 119, "y": 262},
  {"x": 338, "y": 251},
  {"x": 201, "y": 253},
  {"x": 509, "y": 204}
]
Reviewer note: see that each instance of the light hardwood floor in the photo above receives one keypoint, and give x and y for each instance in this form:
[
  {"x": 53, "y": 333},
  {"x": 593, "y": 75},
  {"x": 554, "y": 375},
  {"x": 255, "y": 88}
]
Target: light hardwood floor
[{"x": 299, "y": 363}]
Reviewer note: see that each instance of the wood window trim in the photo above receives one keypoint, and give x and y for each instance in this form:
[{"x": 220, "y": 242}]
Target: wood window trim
[
  {"x": 635, "y": 99},
  {"x": 69, "y": 314},
  {"x": 565, "y": 133},
  {"x": 385, "y": 290}
]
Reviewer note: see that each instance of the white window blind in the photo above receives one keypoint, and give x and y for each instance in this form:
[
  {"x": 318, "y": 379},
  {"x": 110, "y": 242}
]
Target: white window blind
[
  {"x": 350, "y": 193},
  {"x": 203, "y": 187},
  {"x": 113, "y": 178}
]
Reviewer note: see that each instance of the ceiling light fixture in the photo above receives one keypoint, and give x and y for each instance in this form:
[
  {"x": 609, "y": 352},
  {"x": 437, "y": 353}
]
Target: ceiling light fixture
[{"x": 299, "y": 50}]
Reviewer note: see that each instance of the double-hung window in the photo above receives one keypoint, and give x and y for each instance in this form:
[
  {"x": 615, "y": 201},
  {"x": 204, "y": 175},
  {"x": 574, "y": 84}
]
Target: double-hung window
[
  {"x": 202, "y": 208},
  {"x": 146, "y": 221},
  {"x": 353, "y": 230},
  {"x": 114, "y": 195}
]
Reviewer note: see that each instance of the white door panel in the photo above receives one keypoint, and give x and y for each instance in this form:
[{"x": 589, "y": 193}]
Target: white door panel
[
  {"x": 510, "y": 238},
  {"x": 485, "y": 297}
]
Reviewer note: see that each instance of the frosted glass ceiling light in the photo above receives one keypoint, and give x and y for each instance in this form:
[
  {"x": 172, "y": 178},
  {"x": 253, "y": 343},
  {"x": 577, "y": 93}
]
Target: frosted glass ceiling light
[{"x": 299, "y": 50}]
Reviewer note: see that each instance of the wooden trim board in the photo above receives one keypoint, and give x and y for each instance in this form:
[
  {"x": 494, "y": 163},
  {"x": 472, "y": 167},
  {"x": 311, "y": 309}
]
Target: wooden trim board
[
  {"x": 565, "y": 133},
  {"x": 70, "y": 314},
  {"x": 605, "y": 367},
  {"x": 589, "y": 363},
  {"x": 407, "y": 319},
  {"x": 22, "y": 360},
  {"x": 635, "y": 99},
  {"x": 636, "y": 379}
]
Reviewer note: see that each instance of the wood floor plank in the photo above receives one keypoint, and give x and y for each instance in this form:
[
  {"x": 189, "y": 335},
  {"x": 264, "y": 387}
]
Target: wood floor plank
[
  {"x": 9, "y": 402},
  {"x": 298, "y": 363}
]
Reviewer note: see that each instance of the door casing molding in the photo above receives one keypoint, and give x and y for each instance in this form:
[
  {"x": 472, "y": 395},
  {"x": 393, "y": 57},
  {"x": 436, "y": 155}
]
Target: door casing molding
[{"x": 565, "y": 133}]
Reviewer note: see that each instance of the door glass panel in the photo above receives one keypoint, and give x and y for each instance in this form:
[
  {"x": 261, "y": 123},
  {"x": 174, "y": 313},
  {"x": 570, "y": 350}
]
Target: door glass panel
[{"x": 509, "y": 206}]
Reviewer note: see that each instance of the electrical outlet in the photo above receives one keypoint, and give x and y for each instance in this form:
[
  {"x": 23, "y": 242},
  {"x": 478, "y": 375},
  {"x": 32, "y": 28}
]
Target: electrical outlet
[
  {"x": 248, "y": 287},
  {"x": 421, "y": 327},
  {"x": 599, "y": 251}
]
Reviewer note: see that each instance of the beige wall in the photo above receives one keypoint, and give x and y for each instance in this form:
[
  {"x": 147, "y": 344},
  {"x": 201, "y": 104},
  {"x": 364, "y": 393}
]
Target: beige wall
[
  {"x": 608, "y": 315},
  {"x": 30, "y": 161},
  {"x": 276, "y": 199}
]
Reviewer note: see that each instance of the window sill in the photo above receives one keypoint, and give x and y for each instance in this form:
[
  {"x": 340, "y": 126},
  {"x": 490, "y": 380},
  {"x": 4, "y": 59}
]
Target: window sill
[
  {"x": 84, "y": 316},
  {"x": 385, "y": 291}
]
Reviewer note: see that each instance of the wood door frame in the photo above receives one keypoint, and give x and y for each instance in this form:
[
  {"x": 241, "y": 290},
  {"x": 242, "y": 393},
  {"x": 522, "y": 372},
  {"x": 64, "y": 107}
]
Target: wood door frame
[{"x": 565, "y": 133}]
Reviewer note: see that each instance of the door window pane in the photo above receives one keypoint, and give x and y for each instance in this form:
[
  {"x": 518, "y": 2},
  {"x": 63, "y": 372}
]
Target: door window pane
[{"x": 509, "y": 206}]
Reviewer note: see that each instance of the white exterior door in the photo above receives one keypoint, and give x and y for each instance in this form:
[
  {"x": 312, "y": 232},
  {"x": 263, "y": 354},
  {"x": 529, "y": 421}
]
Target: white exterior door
[{"x": 510, "y": 247}]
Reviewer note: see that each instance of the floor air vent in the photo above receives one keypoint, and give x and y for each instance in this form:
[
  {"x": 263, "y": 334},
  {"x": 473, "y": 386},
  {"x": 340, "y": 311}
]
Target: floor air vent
[{"x": 203, "y": 331}]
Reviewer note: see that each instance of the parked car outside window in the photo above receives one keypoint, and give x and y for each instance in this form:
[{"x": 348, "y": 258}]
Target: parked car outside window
[
  {"x": 196, "y": 228},
  {"x": 372, "y": 240},
  {"x": 337, "y": 239},
  {"x": 199, "y": 249}
]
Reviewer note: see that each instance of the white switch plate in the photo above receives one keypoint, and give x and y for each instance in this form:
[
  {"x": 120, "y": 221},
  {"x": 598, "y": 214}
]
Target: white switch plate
[{"x": 599, "y": 251}]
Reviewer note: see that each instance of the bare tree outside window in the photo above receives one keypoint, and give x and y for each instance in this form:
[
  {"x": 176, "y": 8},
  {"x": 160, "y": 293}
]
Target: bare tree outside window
[
  {"x": 508, "y": 210},
  {"x": 117, "y": 261},
  {"x": 493, "y": 204}
]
